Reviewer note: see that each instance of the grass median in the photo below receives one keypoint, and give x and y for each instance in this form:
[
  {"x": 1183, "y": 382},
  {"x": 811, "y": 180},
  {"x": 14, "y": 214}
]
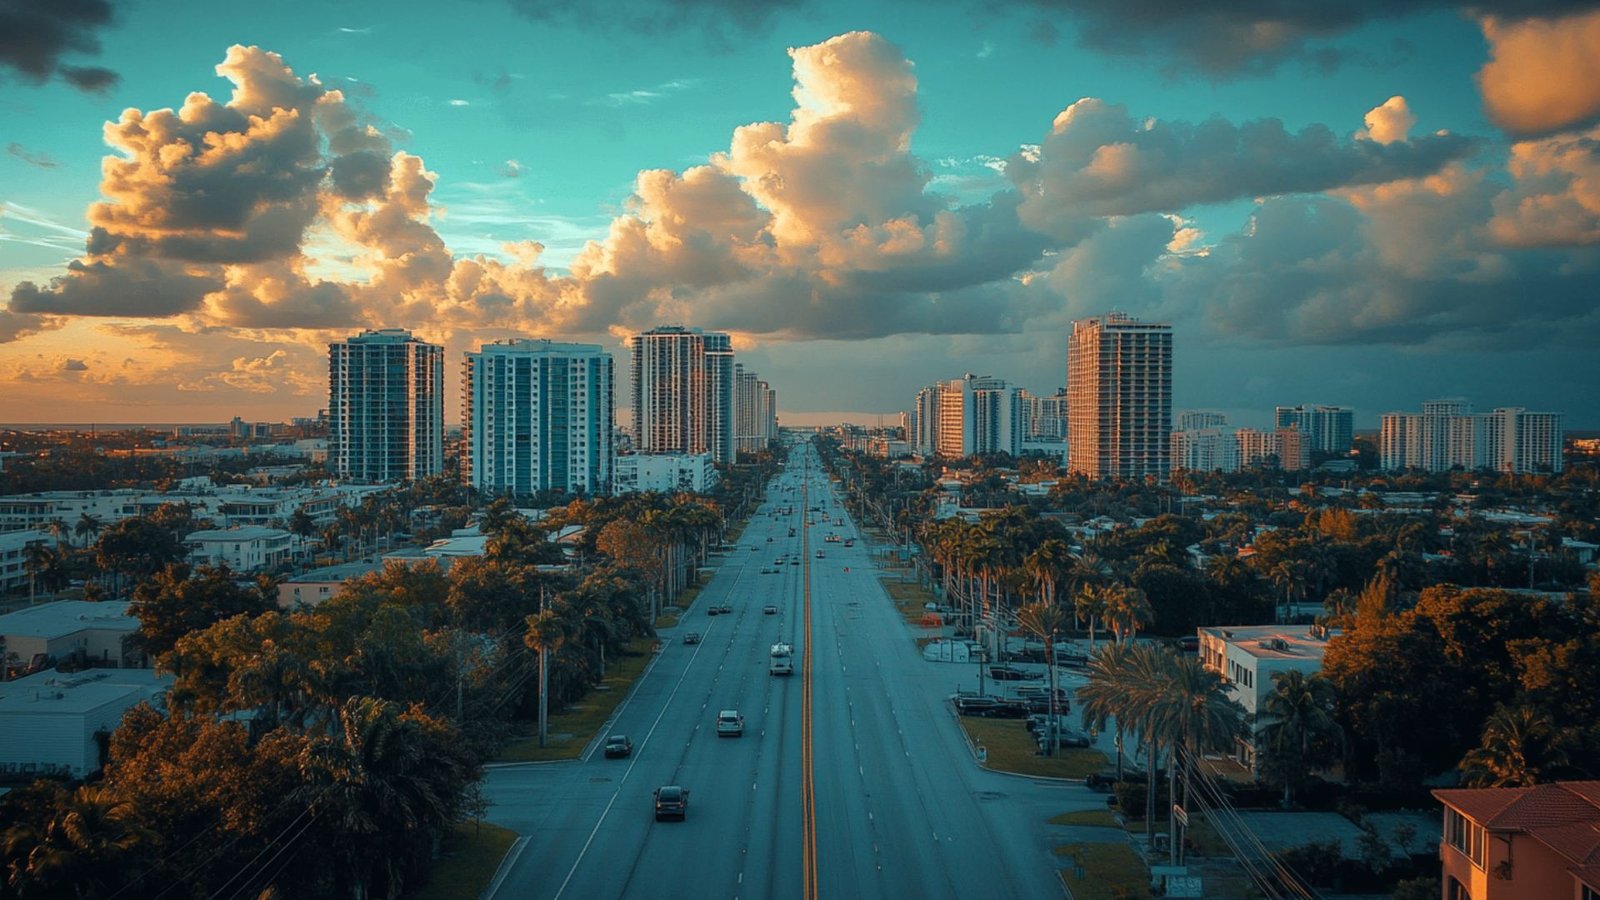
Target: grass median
[
  {"x": 572, "y": 728},
  {"x": 1109, "y": 872},
  {"x": 1012, "y": 748},
  {"x": 468, "y": 858}
]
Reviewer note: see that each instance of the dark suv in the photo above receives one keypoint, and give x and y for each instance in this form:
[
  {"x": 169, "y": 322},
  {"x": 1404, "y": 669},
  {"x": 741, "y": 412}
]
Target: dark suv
[{"x": 672, "y": 802}]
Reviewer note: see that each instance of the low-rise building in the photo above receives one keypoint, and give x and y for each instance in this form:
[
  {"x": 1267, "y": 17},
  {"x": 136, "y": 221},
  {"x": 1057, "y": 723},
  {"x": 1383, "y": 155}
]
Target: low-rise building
[
  {"x": 49, "y": 721},
  {"x": 318, "y": 586},
  {"x": 249, "y": 549},
  {"x": 96, "y": 633},
  {"x": 1247, "y": 656},
  {"x": 665, "y": 472},
  {"x": 1527, "y": 843},
  {"x": 14, "y": 556}
]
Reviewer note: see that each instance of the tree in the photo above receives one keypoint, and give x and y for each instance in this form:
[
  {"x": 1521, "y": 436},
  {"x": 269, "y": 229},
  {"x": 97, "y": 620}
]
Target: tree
[
  {"x": 137, "y": 547},
  {"x": 178, "y": 601},
  {"x": 87, "y": 528},
  {"x": 302, "y": 526},
  {"x": 1296, "y": 729},
  {"x": 85, "y": 849},
  {"x": 1520, "y": 747},
  {"x": 1126, "y": 611},
  {"x": 1046, "y": 620}
]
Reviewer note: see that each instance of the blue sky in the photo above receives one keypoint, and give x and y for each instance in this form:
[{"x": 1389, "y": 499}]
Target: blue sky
[{"x": 1223, "y": 177}]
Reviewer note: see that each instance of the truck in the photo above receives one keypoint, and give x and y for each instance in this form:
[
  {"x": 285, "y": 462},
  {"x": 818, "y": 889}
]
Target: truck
[{"x": 782, "y": 660}]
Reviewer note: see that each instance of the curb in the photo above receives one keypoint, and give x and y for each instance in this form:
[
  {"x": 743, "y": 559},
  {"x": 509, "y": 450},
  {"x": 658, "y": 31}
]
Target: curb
[{"x": 506, "y": 862}]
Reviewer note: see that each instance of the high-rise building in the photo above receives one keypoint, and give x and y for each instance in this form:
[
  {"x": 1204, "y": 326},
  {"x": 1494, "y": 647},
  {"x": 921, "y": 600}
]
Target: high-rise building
[
  {"x": 924, "y": 436},
  {"x": 1197, "y": 419},
  {"x": 1329, "y": 429},
  {"x": 385, "y": 407},
  {"x": 683, "y": 392},
  {"x": 1211, "y": 449},
  {"x": 1043, "y": 418},
  {"x": 537, "y": 416},
  {"x": 976, "y": 415},
  {"x": 1119, "y": 397},
  {"x": 755, "y": 414},
  {"x": 1447, "y": 435}
]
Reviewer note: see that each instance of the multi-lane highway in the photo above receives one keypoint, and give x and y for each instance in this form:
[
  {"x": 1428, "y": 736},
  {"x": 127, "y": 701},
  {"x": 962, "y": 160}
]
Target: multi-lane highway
[{"x": 851, "y": 778}]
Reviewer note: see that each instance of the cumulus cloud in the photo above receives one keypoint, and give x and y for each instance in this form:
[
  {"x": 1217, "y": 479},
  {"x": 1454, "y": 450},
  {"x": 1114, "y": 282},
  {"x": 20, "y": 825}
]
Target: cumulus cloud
[
  {"x": 1543, "y": 75},
  {"x": 1388, "y": 122},
  {"x": 277, "y": 371},
  {"x": 74, "y": 365},
  {"x": 35, "y": 36},
  {"x": 1099, "y": 161},
  {"x": 1555, "y": 196}
]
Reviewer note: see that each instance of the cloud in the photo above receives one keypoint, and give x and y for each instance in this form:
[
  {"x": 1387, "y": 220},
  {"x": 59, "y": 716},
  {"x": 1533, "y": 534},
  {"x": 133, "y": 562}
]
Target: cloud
[
  {"x": 1389, "y": 122},
  {"x": 511, "y": 169},
  {"x": 460, "y": 103},
  {"x": 270, "y": 374},
  {"x": 1099, "y": 161},
  {"x": 35, "y": 36},
  {"x": 74, "y": 365},
  {"x": 1250, "y": 37},
  {"x": 723, "y": 22},
  {"x": 37, "y": 160},
  {"x": 1543, "y": 75},
  {"x": 1554, "y": 199}
]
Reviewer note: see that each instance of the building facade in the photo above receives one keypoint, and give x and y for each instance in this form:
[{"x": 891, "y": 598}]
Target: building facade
[
  {"x": 755, "y": 412},
  {"x": 1247, "y": 656},
  {"x": 976, "y": 414},
  {"x": 665, "y": 473},
  {"x": 537, "y": 416},
  {"x": 1448, "y": 435},
  {"x": 1119, "y": 396},
  {"x": 1521, "y": 843},
  {"x": 683, "y": 392},
  {"x": 1328, "y": 429},
  {"x": 385, "y": 407}
]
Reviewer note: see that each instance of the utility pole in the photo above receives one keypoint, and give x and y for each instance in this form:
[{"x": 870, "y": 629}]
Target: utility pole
[{"x": 544, "y": 681}]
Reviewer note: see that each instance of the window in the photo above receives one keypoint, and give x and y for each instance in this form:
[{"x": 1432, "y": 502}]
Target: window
[
  {"x": 1590, "y": 893},
  {"x": 1465, "y": 835}
]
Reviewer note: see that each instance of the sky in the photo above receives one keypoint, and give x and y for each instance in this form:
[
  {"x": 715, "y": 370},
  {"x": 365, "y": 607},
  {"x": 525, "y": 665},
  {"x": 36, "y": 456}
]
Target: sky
[{"x": 1351, "y": 202}]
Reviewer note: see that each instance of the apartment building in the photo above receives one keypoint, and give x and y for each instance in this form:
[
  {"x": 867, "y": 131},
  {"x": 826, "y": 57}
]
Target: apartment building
[
  {"x": 1247, "y": 656},
  {"x": 755, "y": 411},
  {"x": 1328, "y": 429},
  {"x": 251, "y": 548},
  {"x": 537, "y": 415},
  {"x": 683, "y": 392},
  {"x": 665, "y": 472},
  {"x": 1448, "y": 435},
  {"x": 1119, "y": 395},
  {"x": 14, "y": 556},
  {"x": 385, "y": 407}
]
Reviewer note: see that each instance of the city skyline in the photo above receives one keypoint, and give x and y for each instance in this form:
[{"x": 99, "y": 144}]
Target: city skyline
[{"x": 1368, "y": 211}]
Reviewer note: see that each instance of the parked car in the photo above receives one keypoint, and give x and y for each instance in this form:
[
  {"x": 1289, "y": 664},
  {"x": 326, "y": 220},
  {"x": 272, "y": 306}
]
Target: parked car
[
  {"x": 1038, "y": 723},
  {"x": 1105, "y": 778},
  {"x": 730, "y": 723},
  {"x": 1064, "y": 738},
  {"x": 975, "y": 706},
  {"x": 672, "y": 802},
  {"x": 692, "y": 637},
  {"x": 617, "y": 746}
]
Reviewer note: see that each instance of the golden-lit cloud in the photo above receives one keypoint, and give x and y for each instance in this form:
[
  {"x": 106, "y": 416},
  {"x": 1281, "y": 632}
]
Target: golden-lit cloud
[
  {"x": 1388, "y": 122},
  {"x": 1543, "y": 75}
]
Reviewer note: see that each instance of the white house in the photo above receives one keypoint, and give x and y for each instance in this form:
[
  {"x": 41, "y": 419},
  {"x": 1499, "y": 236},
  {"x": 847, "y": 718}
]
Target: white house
[
  {"x": 1247, "y": 656},
  {"x": 48, "y": 721},
  {"x": 247, "y": 549}
]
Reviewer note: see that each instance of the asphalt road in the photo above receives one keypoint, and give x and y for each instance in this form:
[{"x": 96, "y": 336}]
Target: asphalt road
[{"x": 901, "y": 810}]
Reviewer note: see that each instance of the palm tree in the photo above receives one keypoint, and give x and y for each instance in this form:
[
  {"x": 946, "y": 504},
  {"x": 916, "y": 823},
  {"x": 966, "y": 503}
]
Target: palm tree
[
  {"x": 84, "y": 850},
  {"x": 1186, "y": 708},
  {"x": 1297, "y": 730},
  {"x": 87, "y": 528},
  {"x": 1090, "y": 604},
  {"x": 1046, "y": 565},
  {"x": 1104, "y": 699},
  {"x": 1289, "y": 576},
  {"x": 546, "y": 635},
  {"x": 1046, "y": 620},
  {"x": 1520, "y": 747},
  {"x": 1126, "y": 610}
]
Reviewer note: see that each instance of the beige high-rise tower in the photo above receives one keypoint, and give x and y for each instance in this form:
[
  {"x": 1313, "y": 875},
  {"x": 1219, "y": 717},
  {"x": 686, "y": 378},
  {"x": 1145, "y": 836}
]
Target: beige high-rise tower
[{"x": 1119, "y": 397}]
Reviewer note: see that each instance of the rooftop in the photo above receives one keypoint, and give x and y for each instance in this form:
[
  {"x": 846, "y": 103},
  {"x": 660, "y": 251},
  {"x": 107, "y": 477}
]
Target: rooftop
[
  {"x": 1564, "y": 816},
  {"x": 64, "y": 617},
  {"x": 242, "y": 533},
  {"x": 80, "y": 692},
  {"x": 1271, "y": 641}
]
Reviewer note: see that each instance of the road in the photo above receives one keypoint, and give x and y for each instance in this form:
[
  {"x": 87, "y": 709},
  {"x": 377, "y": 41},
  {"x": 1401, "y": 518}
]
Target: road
[{"x": 900, "y": 808}]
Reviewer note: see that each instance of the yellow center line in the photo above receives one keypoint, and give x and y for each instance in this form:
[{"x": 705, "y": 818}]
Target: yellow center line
[{"x": 808, "y": 795}]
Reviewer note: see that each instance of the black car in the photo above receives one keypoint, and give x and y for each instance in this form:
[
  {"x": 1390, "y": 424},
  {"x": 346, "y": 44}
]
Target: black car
[
  {"x": 617, "y": 746},
  {"x": 713, "y": 610},
  {"x": 672, "y": 802},
  {"x": 692, "y": 637},
  {"x": 769, "y": 610},
  {"x": 1063, "y": 739},
  {"x": 725, "y": 609}
]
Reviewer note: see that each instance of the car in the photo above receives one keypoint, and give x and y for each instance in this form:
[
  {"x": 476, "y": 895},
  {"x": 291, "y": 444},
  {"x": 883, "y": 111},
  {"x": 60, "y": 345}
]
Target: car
[
  {"x": 1007, "y": 673},
  {"x": 780, "y": 560},
  {"x": 1106, "y": 778},
  {"x": 766, "y": 571},
  {"x": 725, "y": 609},
  {"x": 730, "y": 723},
  {"x": 713, "y": 610},
  {"x": 769, "y": 610},
  {"x": 692, "y": 637},
  {"x": 849, "y": 542},
  {"x": 769, "y": 538},
  {"x": 819, "y": 554},
  {"x": 794, "y": 562},
  {"x": 1064, "y": 738},
  {"x": 672, "y": 802},
  {"x": 618, "y": 745}
]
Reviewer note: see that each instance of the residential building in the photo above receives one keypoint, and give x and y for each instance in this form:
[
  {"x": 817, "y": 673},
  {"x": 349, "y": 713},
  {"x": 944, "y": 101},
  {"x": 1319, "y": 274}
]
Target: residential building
[
  {"x": 250, "y": 548},
  {"x": 1044, "y": 419},
  {"x": 1283, "y": 448},
  {"x": 1247, "y": 656},
  {"x": 1119, "y": 395},
  {"x": 52, "y": 723},
  {"x": 977, "y": 415},
  {"x": 1329, "y": 429},
  {"x": 1210, "y": 449},
  {"x": 385, "y": 407},
  {"x": 1521, "y": 843},
  {"x": 1448, "y": 435},
  {"x": 924, "y": 436},
  {"x": 665, "y": 472},
  {"x": 683, "y": 392},
  {"x": 1198, "y": 419},
  {"x": 95, "y": 633},
  {"x": 755, "y": 411},
  {"x": 537, "y": 416},
  {"x": 14, "y": 556}
]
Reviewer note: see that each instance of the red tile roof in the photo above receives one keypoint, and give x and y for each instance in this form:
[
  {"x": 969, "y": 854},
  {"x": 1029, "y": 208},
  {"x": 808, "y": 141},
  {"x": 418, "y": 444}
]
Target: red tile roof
[{"x": 1564, "y": 816}]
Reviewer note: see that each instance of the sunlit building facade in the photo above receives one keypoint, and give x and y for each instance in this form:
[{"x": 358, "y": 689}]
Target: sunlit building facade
[
  {"x": 1119, "y": 397},
  {"x": 683, "y": 392},
  {"x": 385, "y": 407}
]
